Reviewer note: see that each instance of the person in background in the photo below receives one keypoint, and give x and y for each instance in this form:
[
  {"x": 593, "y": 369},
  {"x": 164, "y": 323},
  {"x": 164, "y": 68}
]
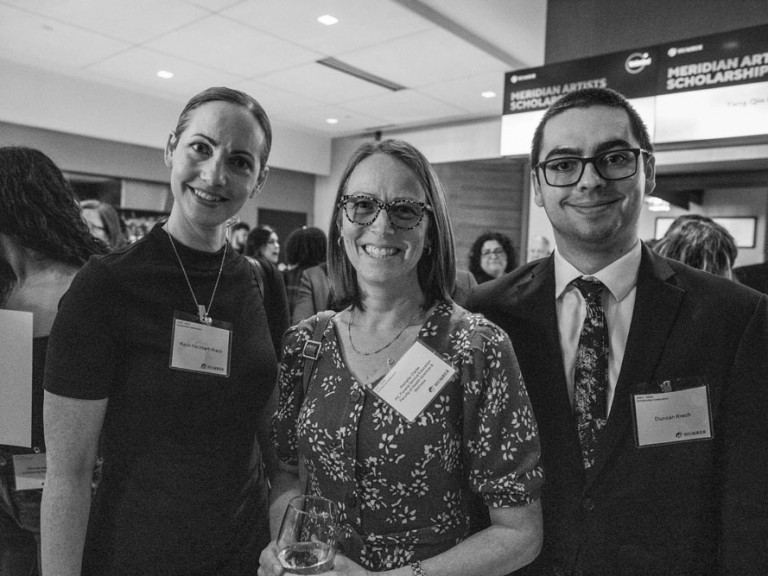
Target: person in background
[
  {"x": 263, "y": 243},
  {"x": 404, "y": 482},
  {"x": 647, "y": 377},
  {"x": 491, "y": 256},
  {"x": 163, "y": 349},
  {"x": 43, "y": 243},
  {"x": 104, "y": 222},
  {"x": 312, "y": 293},
  {"x": 304, "y": 248},
  {"x": 539, "y": 248},
  {"x": 239, "y": 236},
  {"x": 700, "y": 243},
  {"x": 755, "y": 276}
]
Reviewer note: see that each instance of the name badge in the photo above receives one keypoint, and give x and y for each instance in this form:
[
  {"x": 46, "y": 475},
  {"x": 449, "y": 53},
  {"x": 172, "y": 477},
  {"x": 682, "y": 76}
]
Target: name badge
[
  {"x": 199, "y": 347},
  {"x": 671, "y": 417},
  {"x": 417, "y": 378},
  {"x": 29, "y": 471}
]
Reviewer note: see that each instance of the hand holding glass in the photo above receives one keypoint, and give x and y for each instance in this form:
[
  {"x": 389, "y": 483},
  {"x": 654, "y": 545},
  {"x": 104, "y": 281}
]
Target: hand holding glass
[{"x": 308, "y": 535}]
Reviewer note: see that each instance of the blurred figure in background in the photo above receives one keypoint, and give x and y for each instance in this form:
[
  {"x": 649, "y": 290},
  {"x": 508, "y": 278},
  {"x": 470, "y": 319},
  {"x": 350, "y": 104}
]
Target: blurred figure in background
[
  {"x": 43, "y": 243},
  {"x": 701, "y": 243},
  {"x": 491, "y": 256},
  {"x": 539, "y": 248},
  {"x": 263, "y": 243},
  {"x": 304, "y": 248},
  {"x": 238, "y": 236},
  {"x": 105, "y": 223},
  {"x": 755, "y": 276}
]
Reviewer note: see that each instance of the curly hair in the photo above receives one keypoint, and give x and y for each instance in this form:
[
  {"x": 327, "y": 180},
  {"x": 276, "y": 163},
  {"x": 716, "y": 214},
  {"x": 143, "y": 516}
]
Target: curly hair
[
  {"x": 39, "y": 208},
  {"x": 477, "y": 247},
  {"x": 306, "y": 247},
  {"x": 700, "y": 242},
  {"x": 437, "y": 266}
]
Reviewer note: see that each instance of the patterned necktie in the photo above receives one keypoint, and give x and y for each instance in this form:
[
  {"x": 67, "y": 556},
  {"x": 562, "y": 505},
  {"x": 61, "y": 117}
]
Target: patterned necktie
[{"x": 591, "y": 375}]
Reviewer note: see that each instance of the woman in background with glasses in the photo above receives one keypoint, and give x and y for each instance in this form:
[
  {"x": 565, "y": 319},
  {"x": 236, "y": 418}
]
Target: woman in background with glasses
[
  {"x": 416, "y": 409},
  {"x": 491, "y": 256}
]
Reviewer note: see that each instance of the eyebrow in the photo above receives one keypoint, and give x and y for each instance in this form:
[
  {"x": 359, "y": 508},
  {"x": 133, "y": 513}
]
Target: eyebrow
[{"x": 602, "y": 147}]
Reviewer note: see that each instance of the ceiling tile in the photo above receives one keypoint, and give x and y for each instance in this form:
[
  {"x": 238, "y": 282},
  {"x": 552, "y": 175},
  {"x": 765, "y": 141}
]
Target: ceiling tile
[
  {"x": 274, "y": 100},
  {"x": 134, "y": 21},
  {"x": 349, "y": 121},
  {"x": 466, "y": 93},
  {"x": 222, "y": 43},
  {"x": 322, "y": 83},
  {"x": 42, "y": 41},
  {"x": 424, "y": 58},
  {"x": 139, "y": 67},
  {"x": 405, "y": 107},
  {"x": 361, "y": 23}
]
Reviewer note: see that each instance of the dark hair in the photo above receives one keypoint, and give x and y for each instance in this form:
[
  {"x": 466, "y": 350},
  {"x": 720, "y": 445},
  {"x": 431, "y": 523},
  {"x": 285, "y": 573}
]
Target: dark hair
[
  {"x": 257, "y": 239},
  {"x": 222, "y": 94},
  {"x": 586, "y": 98},
  {"x": 7, "y": 281},
  {"x": 241, "y": 226},
  {"x": 437, "y": 266},
  {"x": 305, "y": 247},
  {"x": 113, "y": 225},
  {"x": 477, "y": 247},
  {"x": 701, "y": 243},
  {"x": 39, "y": 208}
]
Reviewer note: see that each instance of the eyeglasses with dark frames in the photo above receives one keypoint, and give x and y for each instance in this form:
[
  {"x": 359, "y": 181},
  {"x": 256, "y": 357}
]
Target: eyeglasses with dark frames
[
  {"x": 611, "y": 165},
  {"x": 402, "y": 214}
]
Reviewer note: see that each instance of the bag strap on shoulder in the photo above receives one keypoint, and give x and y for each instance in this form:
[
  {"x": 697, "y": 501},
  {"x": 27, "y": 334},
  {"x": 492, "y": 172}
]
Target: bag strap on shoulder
[
  {"x": 258, "y": 273},
  {"x": 311, "y": 350}
]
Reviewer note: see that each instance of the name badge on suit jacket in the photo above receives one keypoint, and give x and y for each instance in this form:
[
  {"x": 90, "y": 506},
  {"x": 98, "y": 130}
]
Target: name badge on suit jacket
[{"x": 679, "y": 411}]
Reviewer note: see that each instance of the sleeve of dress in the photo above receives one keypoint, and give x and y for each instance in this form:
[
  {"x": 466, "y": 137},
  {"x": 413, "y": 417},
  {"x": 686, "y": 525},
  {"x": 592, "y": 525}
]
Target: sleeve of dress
[
  {"x": 501, "y": 438},
  {"x": 290, "y": 392},
  {"x": 84, "y": 348}
]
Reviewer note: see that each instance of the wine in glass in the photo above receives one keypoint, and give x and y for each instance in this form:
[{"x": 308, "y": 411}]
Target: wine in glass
[{"x": 308, "y": 535}]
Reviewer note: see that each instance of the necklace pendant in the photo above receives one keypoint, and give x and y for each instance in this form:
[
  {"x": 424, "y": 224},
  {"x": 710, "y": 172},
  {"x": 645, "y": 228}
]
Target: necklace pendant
[{"x": 390, "y": 362}]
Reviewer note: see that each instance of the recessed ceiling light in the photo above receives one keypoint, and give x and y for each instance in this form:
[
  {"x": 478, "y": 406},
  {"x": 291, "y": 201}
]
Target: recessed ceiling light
[
  {"x": 331, "y": 120},
  {"x": 327, "y": 19},
  {"x": 488, "y": 94},
  {"x": 164, "y": 74}
]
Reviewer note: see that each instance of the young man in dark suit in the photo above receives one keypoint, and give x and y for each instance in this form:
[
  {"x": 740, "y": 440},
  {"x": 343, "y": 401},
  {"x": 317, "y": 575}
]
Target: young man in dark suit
[{"x": 650, "y": 387}]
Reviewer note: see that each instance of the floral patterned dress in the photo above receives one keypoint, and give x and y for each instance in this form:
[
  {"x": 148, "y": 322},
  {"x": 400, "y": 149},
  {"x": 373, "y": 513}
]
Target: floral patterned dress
[{"x": 406, "y": 488}]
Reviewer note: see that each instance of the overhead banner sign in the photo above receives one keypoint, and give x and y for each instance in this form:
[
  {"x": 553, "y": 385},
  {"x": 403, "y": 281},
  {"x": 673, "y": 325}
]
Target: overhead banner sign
[{"x": 676, "y": 88}]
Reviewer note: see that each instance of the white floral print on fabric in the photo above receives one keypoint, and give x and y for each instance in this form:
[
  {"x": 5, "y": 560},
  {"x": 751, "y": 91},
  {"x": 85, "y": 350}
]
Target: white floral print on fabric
[
  {"x": 591, "y": 373},
  {"x": 405, "y": 488}
]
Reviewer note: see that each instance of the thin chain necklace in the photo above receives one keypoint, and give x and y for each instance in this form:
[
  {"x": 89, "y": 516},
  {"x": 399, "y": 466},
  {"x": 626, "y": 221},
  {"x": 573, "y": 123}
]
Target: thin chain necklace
[
  {"x": 201, "y": 311},
  {"x": 410, "y": 322}
]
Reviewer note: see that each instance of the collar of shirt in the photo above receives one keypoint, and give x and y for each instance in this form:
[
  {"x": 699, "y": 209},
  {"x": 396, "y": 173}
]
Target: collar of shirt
[{"x": 620, "y": 276}]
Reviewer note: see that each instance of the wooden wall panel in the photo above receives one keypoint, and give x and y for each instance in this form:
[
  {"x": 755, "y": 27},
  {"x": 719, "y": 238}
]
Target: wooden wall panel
[{"x": 485, "y": 195}]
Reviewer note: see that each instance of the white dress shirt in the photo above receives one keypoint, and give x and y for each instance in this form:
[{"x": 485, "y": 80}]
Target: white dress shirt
[{"x": 620, "y": 279}]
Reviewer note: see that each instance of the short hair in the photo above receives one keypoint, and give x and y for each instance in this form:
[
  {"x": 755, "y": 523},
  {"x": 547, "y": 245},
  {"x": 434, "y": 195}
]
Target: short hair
[
  {"x": 475, "y": 256},
  {"x": 241, "y": 226},
  {"x": 257, "y": 239},
  {"x": 701, "y": 243},
  {"x": 223, "y": 94},
  {"x": 113, "y": 224},
  {"x": 306, "y": 246},
  {"x": 436, "y": 268},
  {"x": 39, "y": 209},
  {"x": 586, "y": 98}
]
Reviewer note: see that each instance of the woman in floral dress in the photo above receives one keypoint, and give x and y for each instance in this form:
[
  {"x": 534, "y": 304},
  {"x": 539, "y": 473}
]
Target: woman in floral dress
[{"x": 416, "y": 408}]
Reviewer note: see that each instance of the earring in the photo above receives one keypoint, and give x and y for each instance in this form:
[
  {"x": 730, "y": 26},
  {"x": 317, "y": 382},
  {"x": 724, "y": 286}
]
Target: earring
[
  {"x": 428, "y": 250},
  {"x": 338, "y": 241}
]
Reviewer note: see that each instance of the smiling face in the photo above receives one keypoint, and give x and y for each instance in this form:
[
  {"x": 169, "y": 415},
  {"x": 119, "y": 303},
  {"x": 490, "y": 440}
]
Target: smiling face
[
  {"x": 215, "y": 167},
  {"x": 382, "y": 255},
  {"x": 493, "y": 259},
  {"x": 593, "y": 216}
]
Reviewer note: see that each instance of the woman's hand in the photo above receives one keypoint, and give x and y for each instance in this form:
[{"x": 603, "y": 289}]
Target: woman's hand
[{"x": 269, "y": 565}]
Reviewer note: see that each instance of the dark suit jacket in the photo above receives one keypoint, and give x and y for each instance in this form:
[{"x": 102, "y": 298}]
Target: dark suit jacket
[
  {"x": 754, "y": 276},
  {"x": 692, "y": 508}
]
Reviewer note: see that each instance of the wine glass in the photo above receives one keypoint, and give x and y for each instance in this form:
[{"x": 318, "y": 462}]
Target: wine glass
[{"x": 308, "y": 535}]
